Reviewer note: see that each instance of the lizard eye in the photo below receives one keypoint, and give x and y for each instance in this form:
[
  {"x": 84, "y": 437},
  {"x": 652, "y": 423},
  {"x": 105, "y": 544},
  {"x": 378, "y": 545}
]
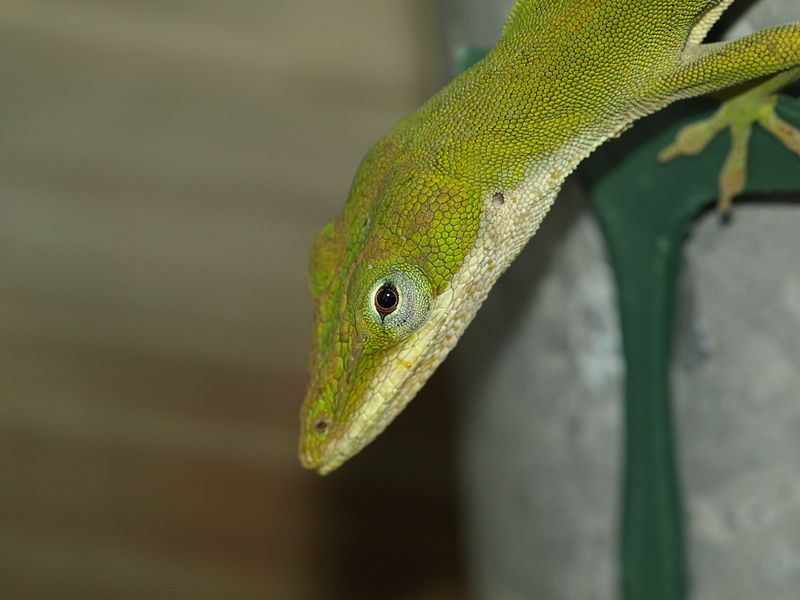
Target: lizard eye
[
  {"x": 396, "y": 303},
  {"x": 386, "y": 299}
]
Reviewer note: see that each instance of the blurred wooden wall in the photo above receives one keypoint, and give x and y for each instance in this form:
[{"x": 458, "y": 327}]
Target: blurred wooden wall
[{"x": 163, "y": 168}]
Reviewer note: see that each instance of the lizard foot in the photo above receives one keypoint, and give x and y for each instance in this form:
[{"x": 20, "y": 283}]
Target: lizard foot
[{"x": 737, "y": 114}]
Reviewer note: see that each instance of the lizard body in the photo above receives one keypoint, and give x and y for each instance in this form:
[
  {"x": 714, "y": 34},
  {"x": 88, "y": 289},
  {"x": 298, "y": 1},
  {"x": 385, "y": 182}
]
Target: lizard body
[{"x": 446, "y": 200}]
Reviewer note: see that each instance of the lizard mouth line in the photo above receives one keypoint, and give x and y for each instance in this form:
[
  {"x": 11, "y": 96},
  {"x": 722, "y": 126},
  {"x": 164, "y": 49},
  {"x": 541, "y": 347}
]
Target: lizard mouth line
[
  {"x": 404, "y": 376},
  {"x": 351, "y": 440}
]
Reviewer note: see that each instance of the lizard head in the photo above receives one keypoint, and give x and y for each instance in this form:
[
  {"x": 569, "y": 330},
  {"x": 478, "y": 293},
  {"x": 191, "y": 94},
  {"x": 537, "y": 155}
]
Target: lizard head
[
  {"x": 391, "y": 299},
  {"x": 396, "y": 278}
]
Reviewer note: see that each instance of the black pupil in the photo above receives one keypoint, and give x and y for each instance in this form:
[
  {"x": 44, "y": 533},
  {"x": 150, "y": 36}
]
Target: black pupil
[{"x": 386, "y": 299}]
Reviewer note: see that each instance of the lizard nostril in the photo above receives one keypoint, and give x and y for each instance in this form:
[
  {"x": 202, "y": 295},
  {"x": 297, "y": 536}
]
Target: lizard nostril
[
  {"x": 498, "y": 199},
  {"x": 321, "y": 426}
]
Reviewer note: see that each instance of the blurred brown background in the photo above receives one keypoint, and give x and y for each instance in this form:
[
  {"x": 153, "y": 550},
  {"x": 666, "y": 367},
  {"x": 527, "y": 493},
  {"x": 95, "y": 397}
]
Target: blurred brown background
[{"x": 163, "y": 169}]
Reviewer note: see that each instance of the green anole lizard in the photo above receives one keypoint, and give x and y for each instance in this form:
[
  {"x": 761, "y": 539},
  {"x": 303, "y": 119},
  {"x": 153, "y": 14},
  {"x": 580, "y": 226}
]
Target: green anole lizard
[{"x": 446, "y": 200}]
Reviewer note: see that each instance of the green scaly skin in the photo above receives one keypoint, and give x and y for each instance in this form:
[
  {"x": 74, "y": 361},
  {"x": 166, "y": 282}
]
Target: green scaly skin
[{"x": 442, "y": 204}]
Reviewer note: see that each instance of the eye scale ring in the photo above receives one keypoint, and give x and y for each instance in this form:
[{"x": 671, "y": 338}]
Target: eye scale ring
[
  {"x": 395, "y": 304},
  {"x": 386, "y": 299}
]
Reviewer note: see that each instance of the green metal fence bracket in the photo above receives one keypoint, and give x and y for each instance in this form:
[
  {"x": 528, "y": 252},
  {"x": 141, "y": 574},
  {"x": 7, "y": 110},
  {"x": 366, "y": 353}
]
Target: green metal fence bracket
[{"x": 646, "y": 211}]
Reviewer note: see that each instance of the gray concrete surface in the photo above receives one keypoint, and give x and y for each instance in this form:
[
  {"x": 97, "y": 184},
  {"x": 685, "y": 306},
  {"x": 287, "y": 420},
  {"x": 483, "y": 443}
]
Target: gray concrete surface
[
  {"x": 540, "y": 378},
  {"x": 737, "y": 393}
]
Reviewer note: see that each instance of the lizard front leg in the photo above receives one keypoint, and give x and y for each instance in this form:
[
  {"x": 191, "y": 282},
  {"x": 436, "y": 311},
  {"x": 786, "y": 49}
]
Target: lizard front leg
[
  {"x": 703, "y": 68},
  {"x": 738, "y": 114}
]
